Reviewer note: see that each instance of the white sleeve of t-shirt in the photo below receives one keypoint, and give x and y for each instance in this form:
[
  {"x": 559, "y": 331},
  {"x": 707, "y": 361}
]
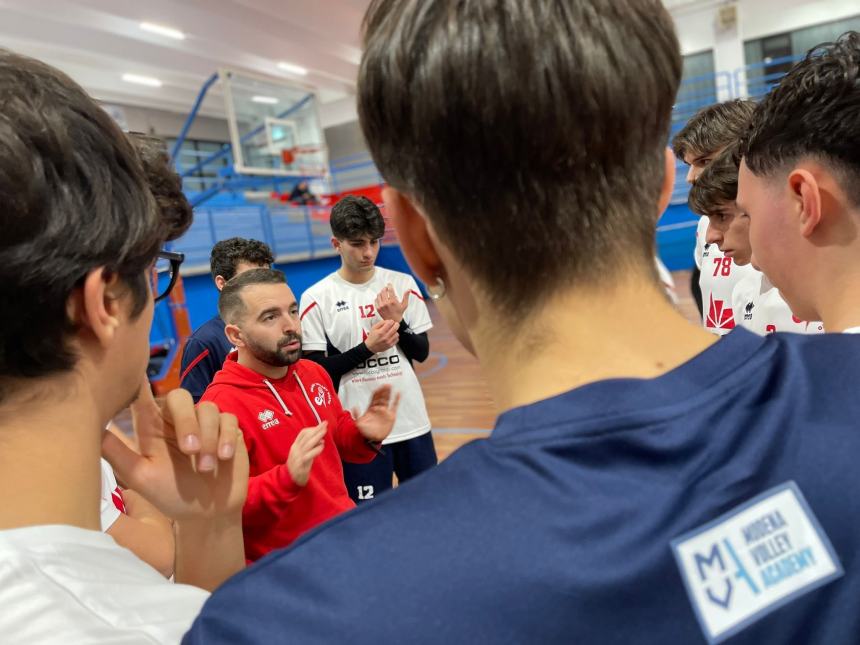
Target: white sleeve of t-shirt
[
  {"x": 416, "y": 314},
  {"x": 109, "y": 512},
  {"x": 667, "y": 280},
  {"x": 701, "y": 234},
  {"x": 313, "y": 329}
]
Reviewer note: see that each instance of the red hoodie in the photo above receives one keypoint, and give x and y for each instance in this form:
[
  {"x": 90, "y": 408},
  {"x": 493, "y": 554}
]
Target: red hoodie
[{"x": 271, "y": 413}]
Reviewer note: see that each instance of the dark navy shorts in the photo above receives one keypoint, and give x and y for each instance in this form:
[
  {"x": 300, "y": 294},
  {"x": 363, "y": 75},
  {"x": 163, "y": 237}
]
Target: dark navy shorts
[{"x": 403, "y": 458}]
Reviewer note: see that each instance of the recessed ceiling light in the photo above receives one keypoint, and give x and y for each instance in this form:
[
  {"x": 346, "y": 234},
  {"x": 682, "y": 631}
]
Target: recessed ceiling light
[
  {"x": 293, "y": 69},
  {"x": 161, "y": 30},
  {"x": 268, "y": 100},
  {"x": 141, "y": 80}
]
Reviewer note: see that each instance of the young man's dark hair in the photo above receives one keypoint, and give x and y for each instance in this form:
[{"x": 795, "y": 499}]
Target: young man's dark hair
[
  {"x": 710, "y": 130},
  {"x": 591, "y": 178},
  {"x": 164, "y": 183},
  {"x": 227, "y": 254},
  {"x": 799, "y": 181},
  {"x": 717, "y": 185},
  {"x": 230, "y": 305},
  {"x": 640, "y": 474},
  {"x": 713, "y": 128},
  {"x": 355, "y": 216},
  {"x": 813, "y": 112},
  {"x": 206, "y": 349},
  {"x": 79, "y": 232},
  {"x": 60, "y": 155}
]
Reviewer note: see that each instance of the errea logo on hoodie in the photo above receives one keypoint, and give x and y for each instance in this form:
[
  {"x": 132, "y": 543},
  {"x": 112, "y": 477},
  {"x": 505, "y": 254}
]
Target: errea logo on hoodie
[{"x": 267, "y": 418}]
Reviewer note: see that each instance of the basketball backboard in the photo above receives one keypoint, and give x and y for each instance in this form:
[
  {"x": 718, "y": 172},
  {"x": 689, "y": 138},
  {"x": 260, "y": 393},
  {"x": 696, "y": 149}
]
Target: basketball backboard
[{"x": 274, "y": 126}]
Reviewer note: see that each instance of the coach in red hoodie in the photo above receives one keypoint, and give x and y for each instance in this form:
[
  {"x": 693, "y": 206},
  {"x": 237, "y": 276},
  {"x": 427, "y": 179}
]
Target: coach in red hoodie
[{"x": 294, "y": 426}]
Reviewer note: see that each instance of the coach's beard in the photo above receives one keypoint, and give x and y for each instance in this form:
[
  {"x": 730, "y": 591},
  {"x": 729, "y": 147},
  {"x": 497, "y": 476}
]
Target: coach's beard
[{"x": 280, "y": 356}]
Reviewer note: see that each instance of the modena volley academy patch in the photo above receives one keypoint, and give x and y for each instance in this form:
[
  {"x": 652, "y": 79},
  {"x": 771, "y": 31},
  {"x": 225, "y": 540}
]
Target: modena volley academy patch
[{"x": 753, "y": 560}]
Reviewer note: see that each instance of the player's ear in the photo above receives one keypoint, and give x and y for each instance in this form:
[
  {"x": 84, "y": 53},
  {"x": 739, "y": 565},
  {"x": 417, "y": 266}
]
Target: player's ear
[{"x": 412, "y": 232}]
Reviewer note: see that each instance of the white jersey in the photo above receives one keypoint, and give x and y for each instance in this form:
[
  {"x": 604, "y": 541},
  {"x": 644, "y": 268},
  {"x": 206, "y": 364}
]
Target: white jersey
[
  {"x": 717, "y": 282},
  {"x": 759, "y": 307},
  {"x": 342, "y": 313},
  {"x": 666, "y": 280},
  {"x": 112, "y": 503},
  {"x": 64, "y": 584}
]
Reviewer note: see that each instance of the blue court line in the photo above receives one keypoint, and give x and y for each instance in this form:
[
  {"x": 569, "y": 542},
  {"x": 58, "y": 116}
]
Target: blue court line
[
  {"x": 482, "y": 431},
  {"x": 443, "y": 361}
]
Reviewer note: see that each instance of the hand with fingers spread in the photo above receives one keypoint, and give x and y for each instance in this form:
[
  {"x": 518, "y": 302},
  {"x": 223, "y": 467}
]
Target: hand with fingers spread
[
  {"x": 383, "y": 335},
  {"x": 192, "y": 465},
  {"x": 388, "y": 305},
  {"x": 192, "y": 462},
  {"x": 376, "y": 423},
  {"x": 308, "y": 445}
]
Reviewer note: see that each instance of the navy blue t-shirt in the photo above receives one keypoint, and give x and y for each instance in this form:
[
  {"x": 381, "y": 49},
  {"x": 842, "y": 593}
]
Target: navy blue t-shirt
[
  {"x": 203, "y": 356},
  {"x": 718, "y": 502}
]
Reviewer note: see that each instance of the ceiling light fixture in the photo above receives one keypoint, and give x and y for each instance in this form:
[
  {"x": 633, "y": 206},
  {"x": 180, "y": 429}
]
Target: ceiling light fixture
[
  {"x": 161, "y": 30},
  {"x": 268, "y": 100},
  {"x": 141, "y": 80},
  {"x": 293, "y": 69}
]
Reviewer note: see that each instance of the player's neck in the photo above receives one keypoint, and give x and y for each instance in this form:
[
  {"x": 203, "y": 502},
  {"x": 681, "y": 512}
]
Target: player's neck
[
  {"x": 840, "y": 308},
  {"x": 246, "y": 359},
  {"x": 356, "y": 277},
  {"x": 579, "y": 337},
  {"x": 50, "y": 443}
]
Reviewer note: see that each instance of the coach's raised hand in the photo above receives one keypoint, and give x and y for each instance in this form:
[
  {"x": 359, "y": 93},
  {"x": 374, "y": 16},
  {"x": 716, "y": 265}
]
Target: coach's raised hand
[
  {"x": 193, "y": 466},
  {"x": 376, "y": 423}
]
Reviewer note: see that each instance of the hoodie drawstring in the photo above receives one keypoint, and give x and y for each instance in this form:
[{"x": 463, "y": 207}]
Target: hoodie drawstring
[
  {"x": 278, "y": 397},
  {"x": 307, "y": 398}
]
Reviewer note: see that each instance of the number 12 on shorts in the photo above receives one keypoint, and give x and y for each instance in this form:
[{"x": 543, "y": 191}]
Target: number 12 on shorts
[
  {"x": 723, "y": 266},
  {"x": 365, "y": 492}
]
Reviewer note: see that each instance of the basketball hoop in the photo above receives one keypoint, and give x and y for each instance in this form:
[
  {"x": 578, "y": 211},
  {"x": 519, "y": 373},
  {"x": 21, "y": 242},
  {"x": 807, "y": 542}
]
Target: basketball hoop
[{"x": 307, "y": 159}]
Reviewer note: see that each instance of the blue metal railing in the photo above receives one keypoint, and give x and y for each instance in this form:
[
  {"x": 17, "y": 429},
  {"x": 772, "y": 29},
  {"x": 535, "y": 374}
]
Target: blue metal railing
[{"x": 296, "y": 231}]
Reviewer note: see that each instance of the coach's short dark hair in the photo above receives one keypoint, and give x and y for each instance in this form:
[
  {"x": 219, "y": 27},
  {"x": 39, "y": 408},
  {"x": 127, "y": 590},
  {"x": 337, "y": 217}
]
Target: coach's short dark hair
[
  {"x": 532, "y": 133},
  {"x": 231, "y": 307},
  {"x": 717, "y": 185},
  {"x": 713, "y": 128},
  {"x": 227, "y": 254},
  {"x": 164, "y": 183},
  {"x": 813, "y": 112},
  {"x": 74, "y": 198},
  {"x": 355, "y": 216}
]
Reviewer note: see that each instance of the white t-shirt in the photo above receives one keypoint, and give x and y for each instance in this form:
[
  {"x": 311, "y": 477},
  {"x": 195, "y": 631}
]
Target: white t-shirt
[
  {"x": 851, "y": 330},
  {"x": 667, "y": 281},
  {"x": 336, "y": 311},
  {"x": 112, "y": 503},
  {"x": 63, "y": 584},
  {"x": 759, "y": 307},
  {"x": 717, "y": 282}
]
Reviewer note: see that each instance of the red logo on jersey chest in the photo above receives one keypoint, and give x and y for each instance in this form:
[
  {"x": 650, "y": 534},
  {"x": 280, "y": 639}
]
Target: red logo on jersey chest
[{"x": 719, "y": 316}]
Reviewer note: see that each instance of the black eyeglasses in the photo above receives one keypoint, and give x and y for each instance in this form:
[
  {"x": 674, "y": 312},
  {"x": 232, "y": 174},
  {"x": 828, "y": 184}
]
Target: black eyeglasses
[{"x": 165, "y": 273}]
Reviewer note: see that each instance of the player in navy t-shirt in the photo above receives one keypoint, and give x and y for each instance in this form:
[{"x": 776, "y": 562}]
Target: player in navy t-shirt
[
  {"x": 645, "y": 482},
  {"x": 206, "y": 349}
]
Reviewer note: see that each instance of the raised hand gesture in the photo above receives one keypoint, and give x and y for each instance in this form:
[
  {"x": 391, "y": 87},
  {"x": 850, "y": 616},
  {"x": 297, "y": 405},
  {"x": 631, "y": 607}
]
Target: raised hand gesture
[
  {"x": 376, "y": 423},
  {"x": 388, "y": 306},
  {"x": 191, "y": 462},
  {"x": 308, "y": 445}
]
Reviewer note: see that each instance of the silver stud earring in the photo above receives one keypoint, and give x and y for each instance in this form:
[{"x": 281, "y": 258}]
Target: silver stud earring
[{"x": 440, "y": 292}]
